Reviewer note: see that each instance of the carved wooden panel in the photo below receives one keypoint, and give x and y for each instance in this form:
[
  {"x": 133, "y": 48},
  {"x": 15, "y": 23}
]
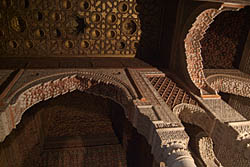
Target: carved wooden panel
[{"x": 69, "y": 28}]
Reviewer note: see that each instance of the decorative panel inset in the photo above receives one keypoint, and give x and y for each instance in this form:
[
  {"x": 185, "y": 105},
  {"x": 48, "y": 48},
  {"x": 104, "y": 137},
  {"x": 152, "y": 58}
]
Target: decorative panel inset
[
  {"x": 69, "y": 28},
  {"x": 170, "y": 92}
]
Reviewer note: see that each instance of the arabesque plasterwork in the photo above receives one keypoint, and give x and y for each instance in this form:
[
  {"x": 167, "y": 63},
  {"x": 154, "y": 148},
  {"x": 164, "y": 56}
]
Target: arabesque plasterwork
[
  {"x": 193, "y": 46},
  {"x": 34, "y": 86}
]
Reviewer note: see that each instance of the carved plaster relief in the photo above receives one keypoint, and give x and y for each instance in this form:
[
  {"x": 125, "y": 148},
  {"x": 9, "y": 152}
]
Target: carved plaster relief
[
  {"x": 231, "y": 81},
  {"x": 149, "y": 114},
  {"x": 194, "y": 115},
  {"x": 52, "y": 86},
  {"x": 193, "y": 45}
]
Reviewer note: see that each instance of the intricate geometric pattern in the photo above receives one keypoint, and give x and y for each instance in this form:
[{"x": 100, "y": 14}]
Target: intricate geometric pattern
[
  {"x": 193, "y": 47},
  {"x": 170, "y": 92},
  {"x": 69, "y": 28},
  {"x": 206, "y": 150}
]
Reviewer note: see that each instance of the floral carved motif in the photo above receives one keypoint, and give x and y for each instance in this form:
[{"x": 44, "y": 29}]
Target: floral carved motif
[
  {"x": 223, "y": 43},
  {"x": 147, "y": 117},
  {"x": 230, "y": 84}
]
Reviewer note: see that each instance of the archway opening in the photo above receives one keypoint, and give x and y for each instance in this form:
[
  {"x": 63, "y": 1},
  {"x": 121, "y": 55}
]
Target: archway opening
[{"x": 76, "y": 129}]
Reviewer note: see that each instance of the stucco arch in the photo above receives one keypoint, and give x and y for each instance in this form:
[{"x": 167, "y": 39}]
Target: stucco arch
[
  {"x": 193, "y": 46},
  {"x": 184, "y": 22},
  {"x": 51, "y": 86},
  {"x": 195, "y": 115}
]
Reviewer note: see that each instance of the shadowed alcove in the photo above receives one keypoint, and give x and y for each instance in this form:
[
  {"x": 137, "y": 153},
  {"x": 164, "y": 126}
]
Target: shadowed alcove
[{"x": 76, "y": 129}]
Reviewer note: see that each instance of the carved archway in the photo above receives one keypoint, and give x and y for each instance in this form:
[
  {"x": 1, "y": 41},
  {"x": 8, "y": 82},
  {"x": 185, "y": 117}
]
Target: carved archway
[
  {"x": 193, "y": 46},
  {"x": 51, "y": 86},
  {"x": 195, "y": 115}
]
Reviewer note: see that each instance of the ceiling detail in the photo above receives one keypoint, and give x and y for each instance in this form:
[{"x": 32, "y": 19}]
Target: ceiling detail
[{"x": 94, "y": 28}]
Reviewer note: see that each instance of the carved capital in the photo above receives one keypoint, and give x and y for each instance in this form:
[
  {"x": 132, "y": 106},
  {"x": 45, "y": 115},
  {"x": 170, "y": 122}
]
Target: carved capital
[{"x": 176, "y": 154}]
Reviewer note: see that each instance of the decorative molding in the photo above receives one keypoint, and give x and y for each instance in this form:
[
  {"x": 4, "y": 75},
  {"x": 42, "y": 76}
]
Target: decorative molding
[
  {"x": 229, "y": 83},
  {"x": 153, "y": 120}
]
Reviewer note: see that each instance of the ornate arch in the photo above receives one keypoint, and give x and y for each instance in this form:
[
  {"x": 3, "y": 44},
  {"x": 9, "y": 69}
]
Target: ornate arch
[
  {"x": 52, "y": 86},
  {"x": 193, "y": 45},
  {"x": 194, "y": 115}
]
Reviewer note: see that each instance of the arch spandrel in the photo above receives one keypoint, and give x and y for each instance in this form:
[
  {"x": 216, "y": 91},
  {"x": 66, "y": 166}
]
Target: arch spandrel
[{"x": 34, "y": 77}]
